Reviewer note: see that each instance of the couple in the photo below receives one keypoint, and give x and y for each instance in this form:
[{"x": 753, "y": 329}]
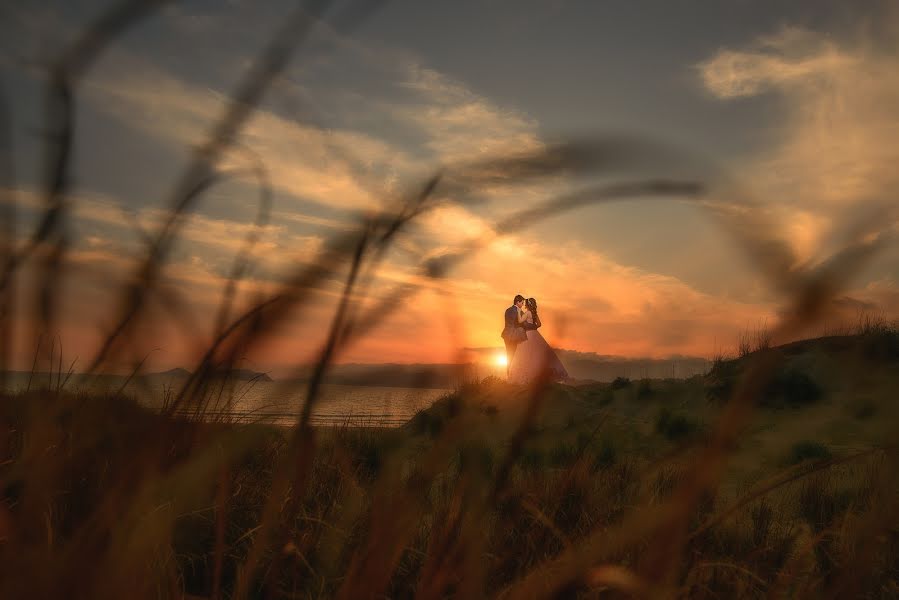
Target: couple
[{"x": 528, "y": 356}]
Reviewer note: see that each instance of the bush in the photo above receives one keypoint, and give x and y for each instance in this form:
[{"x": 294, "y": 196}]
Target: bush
[
  {"x": 665, "y": 482},
  {"x": 562, "y": 455},
  {"x": 761, "y": 516},
  {"x": 820, "y": 504},
  {"x": 644, "y": 389},
  {"x": 791, "y": 387},
  {"x": 367, "y": 451},
  {"x": 864, "y": 409},
  {"x": 721, "y": 380},
  {"x": 620, "y": 383},
  {"x": 807, "y": 450},
  {"x": 531, "y": 458},
  {"x": 675, "y": 426},
  {"x": 602, "y": 397},
  {"x": 476, "y": 457},
  {"x": 492, "y": 381},
  {"x": 882, "y": 344},
  {"x": 426, "y": 423},
  {"x": 606, "y": 456}
]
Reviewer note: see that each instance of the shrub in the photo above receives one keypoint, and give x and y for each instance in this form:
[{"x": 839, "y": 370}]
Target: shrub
[
  {"x": 531, "y": 458},
  {"x": 807, "y": 450},
  {"x": 492, "y": 381},
  {"x": 620, "y": 383},
  {"x": 562, "y": 455},
  {"x": 820, "y": 504},
  {"x": 881, "y": 343},
  {"x": 791, "y": 387},
  {"x": 721, "y": 380},
  {"x": 426, "y": 423},
  {"x": 603, "y": 397},
  {"x": 607, "y": 397},
  {"x": 762, "y": 516},
  {"x": 665, "y": 482},
  {"x": 864, "y": 409},
  {"x": 476, "y": 457},
  {"x": 675, "y": 426},
  {"x": 606, "y": 456},
  {"x": 367, "y": 449}
]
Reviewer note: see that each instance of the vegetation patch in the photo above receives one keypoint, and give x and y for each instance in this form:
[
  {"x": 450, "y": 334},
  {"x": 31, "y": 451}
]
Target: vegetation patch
[
  {"x": 808, "y": 451},
  {"x": 606, "y": 455},
  {"x": 863, "y": 409},
  {"x": 791, "y": 387},
  {"x": 620, "y": 383},
  {"x": 675, "y": 426}
]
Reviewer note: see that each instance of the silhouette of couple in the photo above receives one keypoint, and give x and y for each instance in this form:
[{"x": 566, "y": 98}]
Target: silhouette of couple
[{"x": 528, "y": 356}]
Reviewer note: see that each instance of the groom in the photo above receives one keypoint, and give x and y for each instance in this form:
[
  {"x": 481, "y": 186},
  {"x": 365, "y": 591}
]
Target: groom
[{"x": 509, "y": 333}]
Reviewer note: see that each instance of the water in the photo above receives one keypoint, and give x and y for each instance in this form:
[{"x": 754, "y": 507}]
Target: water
[{"x": 266, "y": 401}]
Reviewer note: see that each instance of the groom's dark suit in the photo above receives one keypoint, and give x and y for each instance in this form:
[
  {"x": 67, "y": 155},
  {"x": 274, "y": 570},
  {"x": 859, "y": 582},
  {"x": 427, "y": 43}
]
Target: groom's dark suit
[{"x": 511, "y": 323}]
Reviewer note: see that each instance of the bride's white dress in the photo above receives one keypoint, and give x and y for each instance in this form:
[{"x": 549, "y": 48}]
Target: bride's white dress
[{"x": 534, "y": 358}]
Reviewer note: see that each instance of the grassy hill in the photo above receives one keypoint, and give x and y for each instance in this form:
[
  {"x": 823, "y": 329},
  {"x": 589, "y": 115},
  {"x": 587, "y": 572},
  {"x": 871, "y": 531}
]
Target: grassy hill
[
  {"x": 835, "y": 394},
  {"x": 609, "y": 489}
]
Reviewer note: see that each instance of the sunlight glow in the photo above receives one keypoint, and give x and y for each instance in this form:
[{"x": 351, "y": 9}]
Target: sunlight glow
[{"x": 500, "y": 360}]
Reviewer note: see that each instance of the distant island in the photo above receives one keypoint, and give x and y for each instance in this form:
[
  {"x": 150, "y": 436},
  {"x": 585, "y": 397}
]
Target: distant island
[
  {"x": 238, "y": 374},
  {"x": 433, "y": 376},
  {"x": 584, "y": 367}
]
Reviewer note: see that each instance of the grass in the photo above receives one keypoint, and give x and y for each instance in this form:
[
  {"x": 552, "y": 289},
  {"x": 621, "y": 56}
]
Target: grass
[
  {"x": 582, "y": 470},
  {"x": 620, "y": 383}
]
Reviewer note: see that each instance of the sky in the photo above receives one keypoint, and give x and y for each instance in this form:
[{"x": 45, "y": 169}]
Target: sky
[{"x": 796, "y": 102}]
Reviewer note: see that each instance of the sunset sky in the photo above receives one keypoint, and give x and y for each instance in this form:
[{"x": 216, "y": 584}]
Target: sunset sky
[{"x": 799, "y": 101}]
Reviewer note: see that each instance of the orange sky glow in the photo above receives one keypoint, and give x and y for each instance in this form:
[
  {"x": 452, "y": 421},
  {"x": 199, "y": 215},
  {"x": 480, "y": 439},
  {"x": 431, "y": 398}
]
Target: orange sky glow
[{"x": 804, "y": 119}]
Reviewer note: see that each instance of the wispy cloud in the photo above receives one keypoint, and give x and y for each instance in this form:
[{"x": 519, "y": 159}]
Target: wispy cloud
[
  {"x": 791, "y": 57},
  {"x": 836, "y": 144},
  {"x": 460, "y": 124},
  {"x": 831, "y": 157}
]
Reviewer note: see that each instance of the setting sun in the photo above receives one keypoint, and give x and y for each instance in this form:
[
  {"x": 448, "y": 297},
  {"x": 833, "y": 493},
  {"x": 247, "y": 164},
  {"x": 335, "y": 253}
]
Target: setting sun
[{"x": 500, "y": 360}]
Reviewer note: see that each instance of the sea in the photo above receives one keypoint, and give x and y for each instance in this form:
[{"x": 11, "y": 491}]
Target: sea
[{"x": 270, "y": 402}]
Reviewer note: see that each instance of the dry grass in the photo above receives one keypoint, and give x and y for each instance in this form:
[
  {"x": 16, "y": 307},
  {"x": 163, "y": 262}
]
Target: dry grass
[{"x": 410, "y": 504}]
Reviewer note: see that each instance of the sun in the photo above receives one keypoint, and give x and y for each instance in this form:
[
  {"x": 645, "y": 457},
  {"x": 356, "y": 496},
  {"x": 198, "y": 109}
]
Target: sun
[{"x": 500, "y": 360}]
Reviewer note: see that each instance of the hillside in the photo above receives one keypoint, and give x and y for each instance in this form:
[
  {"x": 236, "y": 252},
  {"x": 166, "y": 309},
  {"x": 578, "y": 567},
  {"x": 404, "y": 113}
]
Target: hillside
[
  {"x": 604, "y": 474},
  {"x": 827, "y": 397}
]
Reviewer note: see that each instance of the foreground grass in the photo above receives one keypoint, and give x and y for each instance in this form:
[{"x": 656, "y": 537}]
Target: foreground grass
[{"x": 102, "y": 497}]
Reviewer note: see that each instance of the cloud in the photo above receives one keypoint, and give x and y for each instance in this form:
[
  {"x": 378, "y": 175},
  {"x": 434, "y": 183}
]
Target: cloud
[
  {"x": 343, "y": 163},
  {"x": 306, "y": 162},
  {"x": 791, "y": 57},
  {"x": 836, "y": 144},
  {"x": 828, "y": 168},
  {"x": 459, "y": 124}
]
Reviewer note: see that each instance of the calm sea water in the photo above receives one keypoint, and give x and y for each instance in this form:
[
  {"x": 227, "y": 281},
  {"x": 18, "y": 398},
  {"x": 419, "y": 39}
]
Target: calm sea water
[{"x": 267, "y": 402}]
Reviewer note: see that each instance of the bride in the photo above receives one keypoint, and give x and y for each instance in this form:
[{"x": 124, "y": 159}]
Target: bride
[{"x": 534, "y": 358}]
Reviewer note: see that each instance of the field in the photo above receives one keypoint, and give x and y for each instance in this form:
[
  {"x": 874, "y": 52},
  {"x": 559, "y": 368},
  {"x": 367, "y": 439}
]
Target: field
[{"x": 586, "y": 491}]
